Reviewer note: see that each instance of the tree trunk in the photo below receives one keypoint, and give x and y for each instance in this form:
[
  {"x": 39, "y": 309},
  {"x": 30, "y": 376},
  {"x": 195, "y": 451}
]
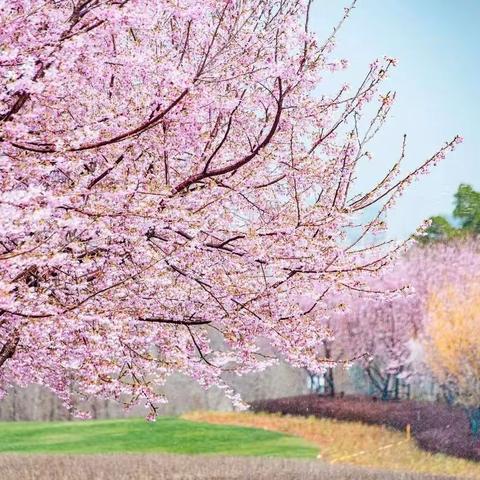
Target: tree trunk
[
  {"x": 397, "y": 388},
  {"x": 385, "y": 388},
  {"x": 330, "y": 382},
  {"x": 9, "y": 348}
]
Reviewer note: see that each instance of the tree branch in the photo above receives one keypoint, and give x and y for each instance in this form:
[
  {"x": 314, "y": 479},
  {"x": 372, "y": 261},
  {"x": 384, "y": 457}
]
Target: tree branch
[{"x": 198, "y": 177}]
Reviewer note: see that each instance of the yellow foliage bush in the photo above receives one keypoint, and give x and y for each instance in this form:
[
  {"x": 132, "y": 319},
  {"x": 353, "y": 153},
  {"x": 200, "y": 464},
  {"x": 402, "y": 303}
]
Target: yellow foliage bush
[{"x": 453, "y": 346}]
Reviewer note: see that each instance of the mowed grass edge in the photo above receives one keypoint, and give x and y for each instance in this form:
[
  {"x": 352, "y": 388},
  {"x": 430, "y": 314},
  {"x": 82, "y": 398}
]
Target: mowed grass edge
[{"x": 166, "y": 435}]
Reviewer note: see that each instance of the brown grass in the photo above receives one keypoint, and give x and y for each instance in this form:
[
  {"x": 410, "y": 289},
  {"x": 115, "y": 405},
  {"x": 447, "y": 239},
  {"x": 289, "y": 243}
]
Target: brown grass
[
  {"x": 180, "y": 467},
  {"x": 352, "y": 443}
]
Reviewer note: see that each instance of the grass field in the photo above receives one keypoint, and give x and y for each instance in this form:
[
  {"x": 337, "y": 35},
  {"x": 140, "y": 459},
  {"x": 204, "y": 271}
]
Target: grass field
[
  {"x": 136, "y": 450},
  {"x": 168, "y": 435}
]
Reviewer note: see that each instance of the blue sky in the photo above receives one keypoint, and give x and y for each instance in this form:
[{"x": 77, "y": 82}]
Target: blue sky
[{"x": 437, "y": 81}]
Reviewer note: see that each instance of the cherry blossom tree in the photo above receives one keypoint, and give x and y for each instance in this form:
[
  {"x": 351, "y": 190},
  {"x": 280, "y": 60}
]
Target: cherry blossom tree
[
  {"x": 379, "y": 332},
  {"x": 168, "y": 174}
]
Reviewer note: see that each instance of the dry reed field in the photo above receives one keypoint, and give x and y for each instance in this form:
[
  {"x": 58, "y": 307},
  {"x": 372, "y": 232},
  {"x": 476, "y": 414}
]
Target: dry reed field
[{"x": 183, "y": 467}]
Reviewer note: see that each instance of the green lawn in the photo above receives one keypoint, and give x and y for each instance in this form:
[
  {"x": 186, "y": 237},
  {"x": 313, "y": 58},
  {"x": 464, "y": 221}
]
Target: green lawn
[{"x": 169, "y": 435}]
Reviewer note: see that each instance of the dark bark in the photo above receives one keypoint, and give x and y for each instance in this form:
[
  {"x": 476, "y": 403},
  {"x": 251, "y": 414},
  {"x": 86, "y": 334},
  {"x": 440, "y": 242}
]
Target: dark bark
[{"x": 9, "y": 348}]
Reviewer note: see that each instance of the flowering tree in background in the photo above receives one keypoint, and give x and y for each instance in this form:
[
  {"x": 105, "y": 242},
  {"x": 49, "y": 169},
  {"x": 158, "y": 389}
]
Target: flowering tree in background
[
  {"x": 379, "y": 333},
  {"x": 167, "y": 174},
  {"x": 378, "y": 326},
  {"x": 388, "y": 333}
]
